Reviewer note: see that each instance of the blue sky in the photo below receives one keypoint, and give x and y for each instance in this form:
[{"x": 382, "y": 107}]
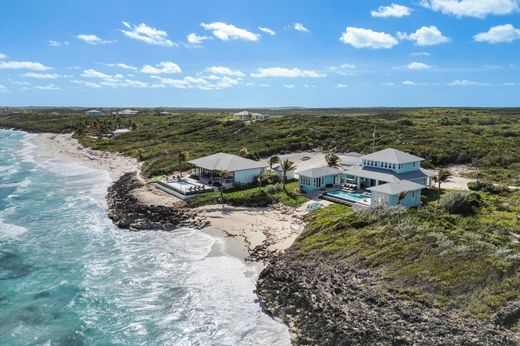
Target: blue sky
[{"x": 260, "y": 53}]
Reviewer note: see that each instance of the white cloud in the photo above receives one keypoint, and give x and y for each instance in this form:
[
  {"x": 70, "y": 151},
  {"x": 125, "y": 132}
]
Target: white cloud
[
  {"x": 339, "y": 85},
  {"x": 267, "y": 30},
  {"x": 472, "y": 8},
  {"x": 164, "y": 67},
  {"x": 47, "y": 87},
  {"x": 425, "y": 36},
  {"x": 409, "y": 82},
  {"x": 87, "y": 84},
  {"x": 54, "y": 43},
  {"x": 121, "y": 65},
  {"x": 91, "y": 73},
  {"x": 367, "y": 38},
  {"x": 222, "y": 70},
  {"x": 195, "y": 39},
  {"x": 41, "y": 75},
  {"x": 394, "y": 10},
  {"x": 509, "y": 84},
  {"x": 3, "y": 56},
  {"x": 285, "y": 72},
  {"x": 3, "y": 88},
  {"x": 499, "y": 34},
  {"x": 465, "y": 82},
  {"x": 226, "y": 32},
  {"x": 27, "y": 65},
  {"x": 344, "y": 69},
  {"x": 420, "y": 54},
  {"x": 147, "y": 34},
  {"x": 418, "y": 66},
  {"x": 289, "y": 86},
  {"x": 200, "y": 83},
  {"x": 300, "y": 27},
  {"x": 92, "y": 39}
]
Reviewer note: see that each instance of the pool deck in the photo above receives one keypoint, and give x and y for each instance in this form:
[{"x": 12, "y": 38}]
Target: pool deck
[
  {"x": 168, "y": 187},
  {"x": 321, "y": 194}
]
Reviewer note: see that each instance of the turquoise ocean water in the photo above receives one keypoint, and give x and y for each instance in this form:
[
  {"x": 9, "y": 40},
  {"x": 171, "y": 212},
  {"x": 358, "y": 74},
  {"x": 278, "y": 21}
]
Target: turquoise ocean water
[{"x": 68, "y": 276}]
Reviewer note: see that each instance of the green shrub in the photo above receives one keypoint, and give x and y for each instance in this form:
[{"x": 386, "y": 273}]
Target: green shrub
[
  {"x": 463, "y": 203},
  {"x": 487, "y": 187}
]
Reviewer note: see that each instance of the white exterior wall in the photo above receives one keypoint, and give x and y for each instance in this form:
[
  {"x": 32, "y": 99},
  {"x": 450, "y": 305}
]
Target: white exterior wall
[{"x": 247, "y": 176}]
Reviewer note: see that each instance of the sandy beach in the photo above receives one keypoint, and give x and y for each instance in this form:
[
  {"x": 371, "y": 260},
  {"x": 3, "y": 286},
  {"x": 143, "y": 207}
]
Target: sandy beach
[
  {"x": 245, "y": 230},
  {"x": 64, "y": 147}
]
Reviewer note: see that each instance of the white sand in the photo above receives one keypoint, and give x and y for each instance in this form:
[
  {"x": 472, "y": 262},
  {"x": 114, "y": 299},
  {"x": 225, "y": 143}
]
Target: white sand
[
  {"x": 275, "y": 227},
  {"x": 64, "y": 147}
]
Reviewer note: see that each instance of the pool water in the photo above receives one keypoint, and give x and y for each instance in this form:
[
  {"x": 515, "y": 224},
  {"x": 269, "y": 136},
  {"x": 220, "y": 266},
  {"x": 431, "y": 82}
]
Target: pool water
[{"x": 353, "y": 197}]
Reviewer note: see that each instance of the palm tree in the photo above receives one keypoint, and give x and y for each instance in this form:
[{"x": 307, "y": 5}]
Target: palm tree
[
  {"x": 243, "y": 152},
  {"x": 441, "y": 177},
  {"x": 286, "y": 166},
  {"x": 401, "y": 196},
  {"x": 223, "y": 175},
  {"x": 182, "y": 156},
  {"x": 332, "y": 159},
  {"x": 272, "y": 161}
]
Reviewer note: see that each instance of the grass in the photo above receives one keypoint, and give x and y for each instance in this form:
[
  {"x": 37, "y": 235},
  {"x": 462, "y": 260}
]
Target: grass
[
  {"x": 471, "y": 264},
  {"x": 255, "y": 196}
]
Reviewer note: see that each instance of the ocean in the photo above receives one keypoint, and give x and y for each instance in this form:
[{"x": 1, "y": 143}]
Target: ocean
[{"x": 68, "y": 276}]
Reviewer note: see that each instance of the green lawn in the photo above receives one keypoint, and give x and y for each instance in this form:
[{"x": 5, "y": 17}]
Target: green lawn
[{"x": 255, "y": 197}]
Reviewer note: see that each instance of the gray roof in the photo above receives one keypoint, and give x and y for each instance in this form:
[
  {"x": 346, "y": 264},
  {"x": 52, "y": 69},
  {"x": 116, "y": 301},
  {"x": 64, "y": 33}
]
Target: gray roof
[
  {"x": 385, "y": 174},
  {"x": 396, "y": 187},
  {"x": 353, "y": 153},
  {"x": 319, "y": 172},
  {"x": 243, "y": 113},
  {"x": 226, "y": 162},
  {"x": 392, "y": 155}
]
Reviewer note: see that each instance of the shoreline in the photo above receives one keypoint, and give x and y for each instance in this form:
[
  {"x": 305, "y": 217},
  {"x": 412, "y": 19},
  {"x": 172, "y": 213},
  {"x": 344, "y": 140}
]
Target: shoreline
[{"x": 250, "y": 234}]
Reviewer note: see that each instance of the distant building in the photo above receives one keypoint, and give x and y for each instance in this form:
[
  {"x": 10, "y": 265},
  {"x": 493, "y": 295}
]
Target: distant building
[
  {"x": 55, "y": 113},
  {"x": 165, "y": 114},
  {"x": 119, "y": 132},
  {"x": 93, "y": 112},
  {"x": 248, "y": 116},
  {"x": 127, "y": 112}
]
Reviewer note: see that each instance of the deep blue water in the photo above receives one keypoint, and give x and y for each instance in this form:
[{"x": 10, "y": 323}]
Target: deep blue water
[{"x": 68, "y": 276}]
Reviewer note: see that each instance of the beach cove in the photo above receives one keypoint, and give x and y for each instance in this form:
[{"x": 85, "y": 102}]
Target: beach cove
[{"x": 70, "y": 275}]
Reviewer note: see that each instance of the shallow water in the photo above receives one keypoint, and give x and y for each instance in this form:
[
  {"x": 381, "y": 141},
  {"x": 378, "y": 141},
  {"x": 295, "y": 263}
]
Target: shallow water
[{"x": 68, "y": 276}]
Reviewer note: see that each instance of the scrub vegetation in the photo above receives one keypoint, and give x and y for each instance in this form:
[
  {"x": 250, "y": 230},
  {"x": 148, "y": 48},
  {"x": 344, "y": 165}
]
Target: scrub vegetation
[
  {"x": 467, "y": 263},
  {"x": 488, "y": 139}
]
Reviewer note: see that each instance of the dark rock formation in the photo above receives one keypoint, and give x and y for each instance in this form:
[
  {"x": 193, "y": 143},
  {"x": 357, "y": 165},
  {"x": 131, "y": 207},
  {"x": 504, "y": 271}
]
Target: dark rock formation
[
  {"x": 127, "y": 212},
  {"x": 328, "y": 302}
]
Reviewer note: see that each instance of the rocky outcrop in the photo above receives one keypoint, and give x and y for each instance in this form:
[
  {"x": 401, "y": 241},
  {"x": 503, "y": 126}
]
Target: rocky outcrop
[
  {"x": 329, "y": 302},
  {"x": 126, "y": 211}
]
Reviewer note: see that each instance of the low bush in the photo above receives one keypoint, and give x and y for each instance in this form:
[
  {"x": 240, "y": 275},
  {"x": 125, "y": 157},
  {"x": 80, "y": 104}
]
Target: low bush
[
  {"x": 487, "y": 187},
  {"x": 463, "y": 203}
]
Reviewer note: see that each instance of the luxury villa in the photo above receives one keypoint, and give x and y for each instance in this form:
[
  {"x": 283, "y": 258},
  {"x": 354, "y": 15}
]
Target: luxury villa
[
  {"x": 217, "y": 170},
  {"x": 386, "y": 177}
]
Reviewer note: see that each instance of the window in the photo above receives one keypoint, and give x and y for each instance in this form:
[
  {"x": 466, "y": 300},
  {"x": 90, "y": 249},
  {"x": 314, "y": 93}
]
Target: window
[
  {"x": 413, "y": 194},
  {"x": 393, "y": 165},
  {"x": 413, "y": 163}
]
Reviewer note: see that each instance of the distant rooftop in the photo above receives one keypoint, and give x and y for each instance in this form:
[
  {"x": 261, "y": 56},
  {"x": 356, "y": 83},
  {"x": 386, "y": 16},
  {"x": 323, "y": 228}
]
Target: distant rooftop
[
  {"x": 392, "y": 155},
  {"x": 226, "y": 162}
]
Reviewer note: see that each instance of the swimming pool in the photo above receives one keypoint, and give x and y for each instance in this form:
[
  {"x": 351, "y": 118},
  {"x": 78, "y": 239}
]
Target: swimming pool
[
  {"x": 351, "y": 197},
  {"x": 183, "y": 188}
]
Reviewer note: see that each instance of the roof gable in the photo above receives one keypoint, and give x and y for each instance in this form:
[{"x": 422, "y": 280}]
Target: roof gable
[
  {"x": 226, "y": 162},
  {"x": 392, "y": 155},
  {"x": 396, "y": 187}
]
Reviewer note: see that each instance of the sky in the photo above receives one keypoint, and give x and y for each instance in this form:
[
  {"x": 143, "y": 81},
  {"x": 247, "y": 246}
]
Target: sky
[{"x": 351, "y": 53}]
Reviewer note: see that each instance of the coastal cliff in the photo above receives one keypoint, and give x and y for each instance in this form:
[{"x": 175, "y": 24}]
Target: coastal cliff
[{"x": 331, "y": 302}]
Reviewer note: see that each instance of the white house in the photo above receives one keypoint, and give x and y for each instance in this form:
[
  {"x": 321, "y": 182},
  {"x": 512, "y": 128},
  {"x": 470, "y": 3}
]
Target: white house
[
  {"x": 248, "y": 116},
  {"x": 119, "y": 132},
  {"x": 277, "y": 169},
  {"x": 127, "y": 112},
  {"x": 93, "y": 112},
  {"x": 239, "y": 170}
]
